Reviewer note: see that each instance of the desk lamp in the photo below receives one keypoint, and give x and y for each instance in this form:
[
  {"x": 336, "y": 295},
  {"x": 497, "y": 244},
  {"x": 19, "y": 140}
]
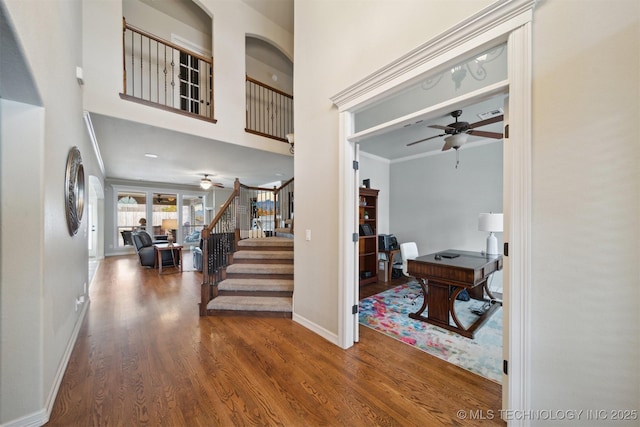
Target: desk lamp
[{"x": 491, "y": 222}]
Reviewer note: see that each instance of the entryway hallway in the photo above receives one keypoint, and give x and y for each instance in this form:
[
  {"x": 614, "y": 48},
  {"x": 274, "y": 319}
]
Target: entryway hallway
[{"x": 145, "y": 356}]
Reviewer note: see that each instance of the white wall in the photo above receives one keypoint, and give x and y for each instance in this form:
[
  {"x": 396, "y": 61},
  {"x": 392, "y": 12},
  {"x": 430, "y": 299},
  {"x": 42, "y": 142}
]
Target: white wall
[
  {"x": 437, "y": 206},
  {"x": 21, "y": 130},
  {"x": 262, "y": 72},
  {"x": 48, "y": 264},
  {"x": 147, "y": 18},
  {"x": 586, "y": 206},
  {"x": 232, "y": 20}
]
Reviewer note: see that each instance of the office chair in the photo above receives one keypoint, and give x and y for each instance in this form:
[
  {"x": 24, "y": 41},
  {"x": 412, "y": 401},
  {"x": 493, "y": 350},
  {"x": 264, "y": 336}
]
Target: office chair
[{"x": 408, "y": 250}]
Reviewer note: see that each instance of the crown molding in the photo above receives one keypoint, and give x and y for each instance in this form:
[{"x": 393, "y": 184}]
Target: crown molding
[{"x": 503, "y": 15}]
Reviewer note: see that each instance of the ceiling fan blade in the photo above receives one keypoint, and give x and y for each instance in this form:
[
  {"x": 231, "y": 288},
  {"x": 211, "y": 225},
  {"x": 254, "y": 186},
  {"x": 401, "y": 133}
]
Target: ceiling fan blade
[
  {"x": 486, "y": 134},
  {"x": 448, "y": 144},
  {"x": 441, "y": 127},
  {"x": 487, "y": 121},
  {"x": 426, "y": 139}
]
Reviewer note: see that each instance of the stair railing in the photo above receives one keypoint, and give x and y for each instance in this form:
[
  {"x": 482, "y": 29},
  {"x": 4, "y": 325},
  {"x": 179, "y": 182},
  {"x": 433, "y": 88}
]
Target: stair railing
[
  {"x": 249, "y": 212},
  {"x": 161, "y": 74},
  {"x": 269, "y": 110}
]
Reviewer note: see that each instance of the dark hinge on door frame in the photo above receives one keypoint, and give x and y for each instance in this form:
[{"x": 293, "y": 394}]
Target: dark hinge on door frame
[
  {"x": 354, "y": 309},
  {"x": 356, "y": 165}
]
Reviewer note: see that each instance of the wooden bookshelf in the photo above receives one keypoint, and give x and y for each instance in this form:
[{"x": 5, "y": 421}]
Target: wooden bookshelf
[{"x": 368, "y": 244}]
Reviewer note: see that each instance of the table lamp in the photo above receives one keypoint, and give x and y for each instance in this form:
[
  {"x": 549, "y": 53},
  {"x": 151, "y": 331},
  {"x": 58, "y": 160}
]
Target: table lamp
[
  {"x": 491, "y": 222},
  {"x": 169, "y": 225}
]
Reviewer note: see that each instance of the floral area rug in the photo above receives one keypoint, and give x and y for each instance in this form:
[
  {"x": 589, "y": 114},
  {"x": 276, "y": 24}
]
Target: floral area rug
[{"x": 388, "y": 312}]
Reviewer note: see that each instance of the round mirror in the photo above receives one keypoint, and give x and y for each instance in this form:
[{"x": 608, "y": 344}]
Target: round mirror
[{"x": 74, "y": 190}]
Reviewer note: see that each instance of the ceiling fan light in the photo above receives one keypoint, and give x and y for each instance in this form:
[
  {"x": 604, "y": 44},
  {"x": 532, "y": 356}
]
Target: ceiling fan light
[
  {"x": 456, "y": 141},
  {"x": 205, "y": 183}
]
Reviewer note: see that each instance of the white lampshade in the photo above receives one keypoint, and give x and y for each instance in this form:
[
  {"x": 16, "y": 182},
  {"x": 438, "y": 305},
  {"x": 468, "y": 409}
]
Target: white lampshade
[
  {"x": 455, "y": 141},
  {"x": 491, "y": 222}
]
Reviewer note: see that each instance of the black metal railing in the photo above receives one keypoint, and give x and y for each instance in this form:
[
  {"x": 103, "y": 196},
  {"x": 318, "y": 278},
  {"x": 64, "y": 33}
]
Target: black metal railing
[
  {"x": 162, "y": 74},
  {"x": 269, "y": 110}
]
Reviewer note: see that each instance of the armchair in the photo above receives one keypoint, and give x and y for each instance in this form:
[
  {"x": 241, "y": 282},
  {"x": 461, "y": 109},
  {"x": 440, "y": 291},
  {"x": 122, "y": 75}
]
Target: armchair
[{"x": 144, "y": 247}]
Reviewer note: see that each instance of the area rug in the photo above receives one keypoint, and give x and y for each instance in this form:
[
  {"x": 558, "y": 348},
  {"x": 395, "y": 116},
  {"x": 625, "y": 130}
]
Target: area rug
[{"x": 388, "y": 311}]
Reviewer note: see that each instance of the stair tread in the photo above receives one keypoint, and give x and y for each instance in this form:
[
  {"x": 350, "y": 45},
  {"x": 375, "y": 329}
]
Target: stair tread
[
  {"x": 266, "y": 241},
  {"x": 256, "y": 285},
  {"x": 260, "y": 261},
  {"x": 260, "y": 268},
  {"x": 249, "y": 254},
  {"x": 243, "y": 303}
]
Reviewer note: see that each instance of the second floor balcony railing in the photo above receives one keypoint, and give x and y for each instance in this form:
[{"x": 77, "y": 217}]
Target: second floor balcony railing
[
  {"x": 162, "y": 74},
  {"x": 269, "y": 110}
]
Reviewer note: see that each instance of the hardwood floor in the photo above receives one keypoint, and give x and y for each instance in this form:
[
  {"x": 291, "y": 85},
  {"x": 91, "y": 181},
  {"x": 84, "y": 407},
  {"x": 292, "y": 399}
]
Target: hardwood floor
[
  {"x": 144, "y": 356},
  {"x": 376, "y": 288}
]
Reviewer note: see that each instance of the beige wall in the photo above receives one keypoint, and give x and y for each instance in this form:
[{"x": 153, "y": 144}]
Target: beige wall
[
  {"x": 586, "y": 210},
  {"x": 586, "y": 205},
  {"x": 337, "y": 44}
]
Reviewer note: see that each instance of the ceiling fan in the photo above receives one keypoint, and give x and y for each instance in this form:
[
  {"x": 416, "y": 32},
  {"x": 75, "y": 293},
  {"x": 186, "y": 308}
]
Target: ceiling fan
[
  {"x": 457, "y": 132},
  {"x": 206, "y": 183}
]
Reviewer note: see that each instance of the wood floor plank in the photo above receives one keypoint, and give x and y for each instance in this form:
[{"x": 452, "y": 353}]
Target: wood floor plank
[{"x": 144, "y": 357}]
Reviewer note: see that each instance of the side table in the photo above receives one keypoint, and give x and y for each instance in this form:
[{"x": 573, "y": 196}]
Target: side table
[{"x": 176, "y": 255}]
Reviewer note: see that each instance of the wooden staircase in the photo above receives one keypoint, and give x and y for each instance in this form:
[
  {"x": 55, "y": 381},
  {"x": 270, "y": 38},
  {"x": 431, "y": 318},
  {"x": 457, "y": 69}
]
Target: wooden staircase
[{"x": 258, "y": 281}]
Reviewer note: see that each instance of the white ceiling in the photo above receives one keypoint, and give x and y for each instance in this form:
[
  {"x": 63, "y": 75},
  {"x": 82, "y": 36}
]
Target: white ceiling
[
  {"x": 182, "y": 158},
  {"x": 392, "y": 143}
]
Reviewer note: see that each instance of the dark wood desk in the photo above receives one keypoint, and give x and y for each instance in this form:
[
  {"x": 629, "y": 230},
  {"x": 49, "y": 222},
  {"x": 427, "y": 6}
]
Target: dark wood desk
[{"x": 443, "y": 279}]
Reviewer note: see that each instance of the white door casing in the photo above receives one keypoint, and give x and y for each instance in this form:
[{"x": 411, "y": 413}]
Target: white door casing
[{"x": 506, "y": 21}]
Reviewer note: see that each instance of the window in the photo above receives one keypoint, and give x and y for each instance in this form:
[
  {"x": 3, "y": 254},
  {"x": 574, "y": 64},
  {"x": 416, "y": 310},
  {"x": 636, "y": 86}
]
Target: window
[
  {"x": 189, "y": 83},
  {"x": 131, "y": 215},
  {"x": 193, "y": 219},
  {"x": 165, "y": 214},
  {"x": 181, "y": 214}
]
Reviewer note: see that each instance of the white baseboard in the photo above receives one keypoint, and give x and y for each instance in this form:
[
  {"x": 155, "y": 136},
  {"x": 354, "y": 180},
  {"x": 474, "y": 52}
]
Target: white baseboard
[
  {"x": 53, "y": 393},
  {"x": 328, "y": 335},
  {"x": 41, "y": 417},
  {"x": 33, "y": 420}
]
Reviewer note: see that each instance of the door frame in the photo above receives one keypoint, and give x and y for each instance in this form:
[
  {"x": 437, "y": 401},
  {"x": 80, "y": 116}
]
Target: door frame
[{"x": 505, "y": 21}]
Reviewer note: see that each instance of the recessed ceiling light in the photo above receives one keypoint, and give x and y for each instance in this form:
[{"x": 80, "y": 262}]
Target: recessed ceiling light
[{"x": 151, "y": 155}]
